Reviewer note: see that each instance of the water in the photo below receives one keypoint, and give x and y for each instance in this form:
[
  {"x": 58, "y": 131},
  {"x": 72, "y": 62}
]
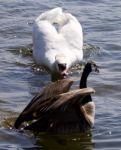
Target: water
[{"x": 20, "y": 80}]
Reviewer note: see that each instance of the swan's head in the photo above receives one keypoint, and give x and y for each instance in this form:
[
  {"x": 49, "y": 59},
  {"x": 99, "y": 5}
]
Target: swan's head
[{"x": 60, "y": 67}]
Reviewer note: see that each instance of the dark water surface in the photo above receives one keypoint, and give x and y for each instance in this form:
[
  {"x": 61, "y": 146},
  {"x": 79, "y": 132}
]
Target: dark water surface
[{"x": 20, "y": 78}]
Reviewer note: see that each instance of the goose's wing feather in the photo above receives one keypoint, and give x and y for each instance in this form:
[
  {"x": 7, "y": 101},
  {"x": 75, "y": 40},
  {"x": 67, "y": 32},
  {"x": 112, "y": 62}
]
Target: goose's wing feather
[
  {"x": 71, "y": 97},
  {"x": 43, "y": 108},
  {"x": 57, "y": 105},
  {"x": 62, "y": 100},
  {"x": 44, "y": 97},
  {"x": 52, "y": 89}
]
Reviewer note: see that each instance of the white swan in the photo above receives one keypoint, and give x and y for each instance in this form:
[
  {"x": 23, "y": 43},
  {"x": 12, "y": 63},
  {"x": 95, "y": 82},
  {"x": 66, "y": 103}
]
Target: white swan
[{"x": 57, "y": 41}]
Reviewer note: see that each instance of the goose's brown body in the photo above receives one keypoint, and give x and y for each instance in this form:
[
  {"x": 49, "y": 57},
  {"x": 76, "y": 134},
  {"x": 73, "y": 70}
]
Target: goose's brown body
[{"x": 57, "y": 110}]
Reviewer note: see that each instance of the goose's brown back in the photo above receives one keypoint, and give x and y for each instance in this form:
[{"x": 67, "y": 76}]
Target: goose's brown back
[{"x": 51, "y": 90}]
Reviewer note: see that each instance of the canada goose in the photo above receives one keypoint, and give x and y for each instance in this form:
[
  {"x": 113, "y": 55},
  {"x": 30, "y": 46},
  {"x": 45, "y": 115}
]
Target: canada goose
[
  {"x": 57, "y": 42},
  {"x": 55, "y": 109},
  {"x": 87, "y": 106}
]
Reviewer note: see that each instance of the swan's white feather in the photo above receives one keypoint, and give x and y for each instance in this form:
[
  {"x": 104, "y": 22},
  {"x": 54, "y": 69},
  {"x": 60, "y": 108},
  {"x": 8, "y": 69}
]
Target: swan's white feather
[{"x": 57, "y": 33}]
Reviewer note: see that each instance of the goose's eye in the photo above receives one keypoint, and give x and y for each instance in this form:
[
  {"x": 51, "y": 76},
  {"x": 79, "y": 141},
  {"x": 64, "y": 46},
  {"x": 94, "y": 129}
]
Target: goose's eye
[{"x": 62, "y": 67}]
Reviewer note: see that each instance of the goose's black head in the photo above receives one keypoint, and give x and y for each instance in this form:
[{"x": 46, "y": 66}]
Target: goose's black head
[{"x": 89, "y": 67}]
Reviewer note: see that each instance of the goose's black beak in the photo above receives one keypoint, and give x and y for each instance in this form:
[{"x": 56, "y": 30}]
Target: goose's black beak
[{"x": 97, "y": 69}]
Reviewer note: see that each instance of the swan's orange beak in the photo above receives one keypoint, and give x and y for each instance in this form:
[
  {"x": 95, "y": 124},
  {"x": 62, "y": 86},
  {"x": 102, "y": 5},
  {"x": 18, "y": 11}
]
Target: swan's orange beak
[
  {"x": 64, "y": 74},
  {"x": 63, "y": 70}
]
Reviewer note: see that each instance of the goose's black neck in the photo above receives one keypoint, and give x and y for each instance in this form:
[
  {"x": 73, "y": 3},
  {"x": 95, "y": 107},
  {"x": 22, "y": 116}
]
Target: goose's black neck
[
  {"x": 83, "y": 81},
  {"x": 83, "y": 84}
]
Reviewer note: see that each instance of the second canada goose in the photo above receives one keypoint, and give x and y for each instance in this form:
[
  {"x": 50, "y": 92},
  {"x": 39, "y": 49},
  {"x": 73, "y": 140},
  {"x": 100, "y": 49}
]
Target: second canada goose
[{"x": 59, "y": 111}]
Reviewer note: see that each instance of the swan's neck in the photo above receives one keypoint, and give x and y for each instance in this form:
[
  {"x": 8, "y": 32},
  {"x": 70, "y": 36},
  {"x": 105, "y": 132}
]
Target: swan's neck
[{"x": 55, "y": 76}]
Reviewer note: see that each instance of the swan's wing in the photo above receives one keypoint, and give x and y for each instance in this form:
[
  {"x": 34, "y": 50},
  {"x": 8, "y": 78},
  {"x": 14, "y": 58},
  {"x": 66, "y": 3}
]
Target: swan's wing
[
  {"x": 53, "y": 89},
  {"x": 72, "y": 32},
  {"x": 52, "y": 15}
]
